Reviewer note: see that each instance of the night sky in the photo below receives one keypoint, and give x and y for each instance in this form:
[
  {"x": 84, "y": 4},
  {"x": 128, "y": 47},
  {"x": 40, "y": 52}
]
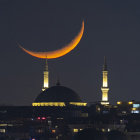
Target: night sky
[{"x": 112, "y": 29}]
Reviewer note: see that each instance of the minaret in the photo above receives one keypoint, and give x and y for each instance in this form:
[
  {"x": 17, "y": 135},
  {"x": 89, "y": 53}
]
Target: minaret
[
  {"x": 46, "y": 77},
  {"x": 104, "y": 87}
]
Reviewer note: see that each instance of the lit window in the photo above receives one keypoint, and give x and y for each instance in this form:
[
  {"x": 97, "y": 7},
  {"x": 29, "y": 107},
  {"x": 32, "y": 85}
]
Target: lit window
[
  {"x": 105, "y": 112},
  {"x": 119, "y": 103},
  {"x": 40, "y": 131},
  {"x": 43, "y": 118},
  {"x": 49, "y": 104},
  {"x": 124, "y": 112},
  {"x": 53, "y": 131},
  {"x": 4, "y": 124},
  {"x": 135, "y": 111},
  {"x": 103, "y": 130},
  {"x": 38, "y": 118},
  {"x": 130, "y": 103},
  {"x": 2, "y": 130},
  {"x": 78, "y": 103},
  {"x": 98, "y": 108},
  {"x": 136, "y": 105},
  {"x": 75, "y": 130},
  {"x": 49, "y": 122}
]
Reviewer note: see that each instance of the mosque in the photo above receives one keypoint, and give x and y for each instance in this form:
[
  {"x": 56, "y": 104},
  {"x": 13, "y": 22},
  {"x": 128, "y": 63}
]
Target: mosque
[
  {"x": 56, "y": 95},
  {"x": 63, "y": 96}
]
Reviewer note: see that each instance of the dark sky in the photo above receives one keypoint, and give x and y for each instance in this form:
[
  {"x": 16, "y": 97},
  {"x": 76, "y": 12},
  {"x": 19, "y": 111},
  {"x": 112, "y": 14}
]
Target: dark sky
[{"x": 112, "y": 29}]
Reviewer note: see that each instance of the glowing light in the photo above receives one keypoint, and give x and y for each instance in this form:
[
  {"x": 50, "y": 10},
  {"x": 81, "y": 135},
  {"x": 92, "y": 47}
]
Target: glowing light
[
  {"x": 119, "y": 103},
  {"x": 38, "y": 118},
  {"x": 136, "y": 105},
  {"x": 134, "y": 109},
  {"x": 58, "y": 104},
  {"x": 43, "y": 118},
  {"x": 78, "y": 104},
  {"x": 105, "y": 80},
  {"x": 108, "y": 129},
  {"x": 4, "y": 124},
  {"x": 46, "y": 80},
  {"x": 98, "y": 109},
  {"x": 75, "y": 130},
  {"x": 59, "y": 52},
  {"x": 59, "y": 118},
  {"x": 49, "y": 104},
  {"x": 2, "y": 130},
  {"x": 105, "y": 94},
  {"x": 105, "y": 103},
  {"x": 103, "y": 130},
  {"x": 130, "y": 103},
  {"x": 53, "y": 131},
  {"x": 105, "y": 89}
]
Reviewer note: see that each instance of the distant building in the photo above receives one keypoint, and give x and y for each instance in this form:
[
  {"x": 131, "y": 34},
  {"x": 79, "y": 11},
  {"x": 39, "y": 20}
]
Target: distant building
[{"x": 125, "y": 107}]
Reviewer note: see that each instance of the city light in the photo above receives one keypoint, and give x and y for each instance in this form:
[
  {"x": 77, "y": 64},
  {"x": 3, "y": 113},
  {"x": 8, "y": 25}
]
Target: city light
[
  {"x": 43, "y": 118},
  {"x": 38, "y": 118}
]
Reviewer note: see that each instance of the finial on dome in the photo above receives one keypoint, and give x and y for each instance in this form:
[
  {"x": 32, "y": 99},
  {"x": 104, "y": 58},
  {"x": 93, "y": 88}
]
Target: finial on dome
[
  {"x": 46, "y": 65},
  {"x": 58, "y": 81}
]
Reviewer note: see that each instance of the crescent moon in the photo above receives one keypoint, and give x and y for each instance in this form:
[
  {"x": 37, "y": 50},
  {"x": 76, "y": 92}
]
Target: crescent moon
[{"x": 59, "y": 52}]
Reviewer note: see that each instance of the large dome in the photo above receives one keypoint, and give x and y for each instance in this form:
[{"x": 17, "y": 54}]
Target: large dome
[{"x": 58, "y": 96}]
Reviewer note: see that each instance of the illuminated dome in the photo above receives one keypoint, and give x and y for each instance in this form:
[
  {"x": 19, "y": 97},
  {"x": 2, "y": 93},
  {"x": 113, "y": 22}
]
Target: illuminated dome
[{"x": 58, "y": 96}]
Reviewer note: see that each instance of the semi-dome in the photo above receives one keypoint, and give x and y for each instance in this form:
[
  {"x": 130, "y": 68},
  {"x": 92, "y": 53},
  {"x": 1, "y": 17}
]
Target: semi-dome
[{"x": 58, "y": 96}]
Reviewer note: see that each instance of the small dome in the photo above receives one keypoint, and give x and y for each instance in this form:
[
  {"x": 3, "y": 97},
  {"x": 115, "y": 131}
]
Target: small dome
[{"x": 58, "y": 94}]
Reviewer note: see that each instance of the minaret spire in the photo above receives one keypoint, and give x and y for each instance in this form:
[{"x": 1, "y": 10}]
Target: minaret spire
[
  {"x": 105, "y": 64},
  {"x": 46, "y": 65},
  {"x": 104, "y": 87},
  {"x": 46, "y": 77}
]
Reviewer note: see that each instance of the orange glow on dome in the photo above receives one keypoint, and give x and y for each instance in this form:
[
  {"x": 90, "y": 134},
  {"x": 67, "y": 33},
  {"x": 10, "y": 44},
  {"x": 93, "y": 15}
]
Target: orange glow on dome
[{"x": 60, "y": 52}]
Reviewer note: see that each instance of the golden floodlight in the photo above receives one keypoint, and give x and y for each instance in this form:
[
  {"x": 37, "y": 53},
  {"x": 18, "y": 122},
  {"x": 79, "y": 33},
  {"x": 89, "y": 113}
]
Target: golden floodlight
[
  {"x": 49, "y": 104},
  {"x": 60, "y": 52},
  {"x": 119, "y": 102},
  {"x": 130, "y": 103},
  {"x": 134, "y": 109}
]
